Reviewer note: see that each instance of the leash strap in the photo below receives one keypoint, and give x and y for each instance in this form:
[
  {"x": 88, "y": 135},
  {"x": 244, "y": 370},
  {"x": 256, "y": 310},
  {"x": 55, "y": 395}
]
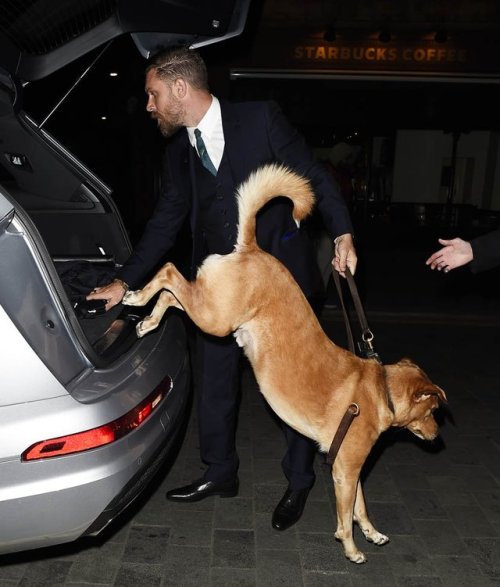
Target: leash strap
[
  {"x": 366, "y": 348},
  {"x": 366, "y": 343},
  {"x": 338, "y": 285},
  {"x": 351, "y": 412}
]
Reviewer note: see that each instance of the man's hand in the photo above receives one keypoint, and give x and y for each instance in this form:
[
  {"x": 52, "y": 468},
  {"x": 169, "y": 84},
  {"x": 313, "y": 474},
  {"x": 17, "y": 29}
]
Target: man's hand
[
  {"x": 455, "y": 253},
  {"x": 345, "y": 254},
  {"x": 112, "y": 293}
]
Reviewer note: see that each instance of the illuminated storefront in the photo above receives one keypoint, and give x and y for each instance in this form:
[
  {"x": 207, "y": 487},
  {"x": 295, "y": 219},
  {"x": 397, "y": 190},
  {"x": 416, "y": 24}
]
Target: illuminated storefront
[{"x": 433, "y": 92}]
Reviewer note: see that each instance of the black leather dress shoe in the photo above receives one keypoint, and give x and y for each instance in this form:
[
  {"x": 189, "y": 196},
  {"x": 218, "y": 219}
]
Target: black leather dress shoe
[
  {"x": 290, "y": 508},
  {"x": 200, "y": 489}
]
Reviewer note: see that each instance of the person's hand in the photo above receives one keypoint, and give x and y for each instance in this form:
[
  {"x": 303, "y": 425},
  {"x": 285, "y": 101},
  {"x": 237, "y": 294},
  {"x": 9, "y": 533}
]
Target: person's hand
[
  {"x": 112, "y": 292},
  {"x": 345, "y": 254},
  {"x": 455, "y": 253}
]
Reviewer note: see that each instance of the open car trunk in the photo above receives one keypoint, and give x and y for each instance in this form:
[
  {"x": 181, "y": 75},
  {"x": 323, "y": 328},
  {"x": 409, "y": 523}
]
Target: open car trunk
[
  {"x": 59, "y": 224},
  {"x": 61, "y": 234}
]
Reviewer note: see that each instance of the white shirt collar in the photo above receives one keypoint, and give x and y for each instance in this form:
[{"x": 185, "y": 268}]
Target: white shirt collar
[
  {"x": 212, "y": 132},
  {"x": 208, "y": 125}
]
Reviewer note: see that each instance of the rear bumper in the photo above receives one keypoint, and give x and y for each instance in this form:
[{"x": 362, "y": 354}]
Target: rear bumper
[
  {"x": 58, "y": 500},
  {"x": 140, "y": 480}
]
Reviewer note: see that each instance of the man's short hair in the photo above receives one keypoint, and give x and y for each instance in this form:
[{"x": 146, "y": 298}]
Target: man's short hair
[{"x": 180, "y": 62}]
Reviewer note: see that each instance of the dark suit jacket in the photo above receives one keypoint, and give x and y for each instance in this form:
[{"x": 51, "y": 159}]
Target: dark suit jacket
[
  {"x": 255, "y": 133},
  {"x": 486, "y": 250}
]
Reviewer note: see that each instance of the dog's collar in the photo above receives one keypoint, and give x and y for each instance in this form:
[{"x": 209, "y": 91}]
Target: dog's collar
[{"x": 388, "y": 398}]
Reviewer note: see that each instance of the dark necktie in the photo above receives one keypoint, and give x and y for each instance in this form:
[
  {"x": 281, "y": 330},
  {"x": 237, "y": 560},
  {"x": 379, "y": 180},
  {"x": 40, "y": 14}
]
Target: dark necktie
[{"x": 202, "y": 152}]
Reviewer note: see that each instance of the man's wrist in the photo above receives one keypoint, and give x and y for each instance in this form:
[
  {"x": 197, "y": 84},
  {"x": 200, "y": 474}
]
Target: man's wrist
[
  {"x": 122, "y": 283},
  {"x": 342, "y": 236}
]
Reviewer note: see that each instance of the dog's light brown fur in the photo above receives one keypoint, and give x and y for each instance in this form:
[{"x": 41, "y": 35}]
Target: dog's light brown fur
[{"x": 307, "y": 380}]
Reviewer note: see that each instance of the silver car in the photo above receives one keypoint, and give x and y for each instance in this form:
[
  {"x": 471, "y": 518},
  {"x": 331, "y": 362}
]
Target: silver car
[{"x": 88, "y": 412}]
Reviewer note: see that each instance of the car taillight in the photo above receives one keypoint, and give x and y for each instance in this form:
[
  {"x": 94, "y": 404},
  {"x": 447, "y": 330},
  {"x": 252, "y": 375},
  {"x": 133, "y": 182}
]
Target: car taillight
[{"x": 105, "y": 434}]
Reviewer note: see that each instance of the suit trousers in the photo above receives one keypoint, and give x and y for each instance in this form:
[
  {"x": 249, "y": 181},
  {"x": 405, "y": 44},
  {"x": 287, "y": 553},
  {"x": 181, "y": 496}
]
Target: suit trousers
[{"x": 216, "y": 374}]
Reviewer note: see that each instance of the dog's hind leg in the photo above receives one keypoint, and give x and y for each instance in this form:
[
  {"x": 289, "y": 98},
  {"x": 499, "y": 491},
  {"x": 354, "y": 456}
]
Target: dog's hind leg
[
  {"x": 345, "y": 494},
  {"x": 361, "y": 518},
  {"x": 165, "y": 300}
]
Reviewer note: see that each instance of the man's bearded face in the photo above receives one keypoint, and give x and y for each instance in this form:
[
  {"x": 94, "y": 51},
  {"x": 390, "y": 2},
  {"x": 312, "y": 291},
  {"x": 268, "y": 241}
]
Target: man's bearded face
[
  {"x": 170, "y": 118},
  {"x": 163, "y": 106}
]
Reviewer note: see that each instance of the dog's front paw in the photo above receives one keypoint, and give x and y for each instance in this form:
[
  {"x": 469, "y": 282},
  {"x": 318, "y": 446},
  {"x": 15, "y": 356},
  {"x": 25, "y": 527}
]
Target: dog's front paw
[
  {"x": 377, "y": 538},
  {"x": 145, "y": 326},
  {"x": 350, "y": 550},
  {"x": 357, "y": 557},
  {"x": 370, "y": 532},
  {"x": 131, "y": 298}
]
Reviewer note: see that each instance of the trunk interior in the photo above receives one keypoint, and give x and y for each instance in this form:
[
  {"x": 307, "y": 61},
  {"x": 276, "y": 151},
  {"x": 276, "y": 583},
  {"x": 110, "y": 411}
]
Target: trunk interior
[{"x": 73, "y": 224}]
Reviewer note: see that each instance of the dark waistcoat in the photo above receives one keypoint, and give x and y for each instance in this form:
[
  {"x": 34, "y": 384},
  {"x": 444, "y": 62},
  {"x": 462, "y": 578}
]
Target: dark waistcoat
[{"x": 217, "y": 216}]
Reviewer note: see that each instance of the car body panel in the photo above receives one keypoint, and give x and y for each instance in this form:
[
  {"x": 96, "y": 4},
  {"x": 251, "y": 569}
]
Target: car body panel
[
  {"x": 79, "y": 487},
  {"x": 18, "y": 357},
  {"x": 56, "y": 500}
]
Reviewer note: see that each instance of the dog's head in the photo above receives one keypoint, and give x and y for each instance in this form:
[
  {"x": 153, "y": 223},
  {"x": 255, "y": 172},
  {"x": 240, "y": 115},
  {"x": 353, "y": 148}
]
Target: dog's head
[{"x": 415, "y": 398}]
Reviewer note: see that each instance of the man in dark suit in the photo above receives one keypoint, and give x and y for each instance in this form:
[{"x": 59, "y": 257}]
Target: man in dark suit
[{"x": 213, "y": 146}]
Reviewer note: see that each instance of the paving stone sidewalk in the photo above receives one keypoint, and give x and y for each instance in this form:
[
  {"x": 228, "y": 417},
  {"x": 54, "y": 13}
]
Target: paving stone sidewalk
[{"x": 439, "y": 504}]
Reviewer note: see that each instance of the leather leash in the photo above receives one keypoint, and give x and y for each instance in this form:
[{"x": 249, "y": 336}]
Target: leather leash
[
  {"x": 366, "y": 344},
  {"x": 365, "y": 347}
]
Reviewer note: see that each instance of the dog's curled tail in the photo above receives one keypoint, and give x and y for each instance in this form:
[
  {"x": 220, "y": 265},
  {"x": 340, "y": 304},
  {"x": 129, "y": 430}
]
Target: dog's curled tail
[{"x": 263, "y": 185}]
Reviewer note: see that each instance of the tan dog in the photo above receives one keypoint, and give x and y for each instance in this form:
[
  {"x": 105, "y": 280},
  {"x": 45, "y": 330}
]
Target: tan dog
[{"x": 307, "y": 380}]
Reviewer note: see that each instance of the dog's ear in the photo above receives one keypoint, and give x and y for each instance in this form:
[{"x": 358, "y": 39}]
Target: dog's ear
[{"x": 425, "y": 393}]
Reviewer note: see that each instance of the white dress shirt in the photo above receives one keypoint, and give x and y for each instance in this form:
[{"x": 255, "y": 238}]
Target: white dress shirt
[{"x": 211, "y": 132}]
